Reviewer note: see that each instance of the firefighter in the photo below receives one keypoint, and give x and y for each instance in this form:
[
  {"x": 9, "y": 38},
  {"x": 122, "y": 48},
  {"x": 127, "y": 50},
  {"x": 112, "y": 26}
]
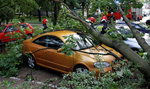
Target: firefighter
[
  {"x": 104, "y": 21},
  {"x": 91, "y": 20},
  {"x": 44, "y": 22}
]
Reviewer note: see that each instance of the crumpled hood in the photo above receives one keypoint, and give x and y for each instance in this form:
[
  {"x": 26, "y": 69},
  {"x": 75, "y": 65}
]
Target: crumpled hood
[{"x": 97, "y": 54}]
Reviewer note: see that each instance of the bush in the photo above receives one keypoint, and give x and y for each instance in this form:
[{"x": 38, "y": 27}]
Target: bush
[
  {"x": 10, "y": 61},
  {"x": 125, "y": 77}
]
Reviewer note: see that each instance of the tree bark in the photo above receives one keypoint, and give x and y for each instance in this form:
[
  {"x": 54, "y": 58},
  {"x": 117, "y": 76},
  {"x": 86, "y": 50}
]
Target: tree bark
[
  {"x": 55, "y": 13},
  {"x": 47, "y": 14},
  {"x": 39, "y": 15},
  {"x": 83, "y": 7}
]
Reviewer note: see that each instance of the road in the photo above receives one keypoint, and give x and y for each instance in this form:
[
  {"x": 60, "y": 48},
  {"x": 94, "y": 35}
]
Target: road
[{"x": 36, "y": 78}]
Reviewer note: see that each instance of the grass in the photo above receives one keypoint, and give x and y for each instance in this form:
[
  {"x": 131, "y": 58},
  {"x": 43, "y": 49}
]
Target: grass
[{"x": 32, "y": 20}]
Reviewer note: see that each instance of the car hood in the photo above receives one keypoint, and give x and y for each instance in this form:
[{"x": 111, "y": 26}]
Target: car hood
[
  {"x": 132, "y": 42},
  {"x": 96, "y": 54}
]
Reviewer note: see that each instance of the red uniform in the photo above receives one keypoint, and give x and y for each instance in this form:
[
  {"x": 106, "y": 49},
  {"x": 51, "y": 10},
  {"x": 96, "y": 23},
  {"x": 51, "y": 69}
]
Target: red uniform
[{"x": 117, "y": 15}]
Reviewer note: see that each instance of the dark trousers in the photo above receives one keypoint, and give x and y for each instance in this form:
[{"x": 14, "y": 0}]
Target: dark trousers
[
  {"x": 104, "y": 28},
  {"x": 45, "y": 26}
]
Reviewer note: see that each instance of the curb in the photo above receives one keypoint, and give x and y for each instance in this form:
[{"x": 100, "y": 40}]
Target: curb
[{"x": 37, "y": 82}]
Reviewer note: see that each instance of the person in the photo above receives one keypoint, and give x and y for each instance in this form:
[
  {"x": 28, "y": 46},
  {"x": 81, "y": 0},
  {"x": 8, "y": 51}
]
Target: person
[
  {"x": 104, "y": 21},
  {"x": 91, "y": 21},
  {"x": 44, "y": 22}
]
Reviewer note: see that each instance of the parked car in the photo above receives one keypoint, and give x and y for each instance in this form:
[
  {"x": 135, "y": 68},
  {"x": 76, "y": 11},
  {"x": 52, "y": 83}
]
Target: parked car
[
  {"x": 125, "y": 33},
  {"x": 148, "y": 22},
  {"x": 44, "y": 50},
  {"x": 120, "y": 31},
  {"x": 132, "y": 42},
  {"x": 6, "y": 31},
  {"x": 137, "y": 26}
]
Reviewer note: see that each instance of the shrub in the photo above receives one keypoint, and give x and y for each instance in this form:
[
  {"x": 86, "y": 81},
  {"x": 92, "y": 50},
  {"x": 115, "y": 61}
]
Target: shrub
[
  {"x": 125, "y": 77},
  {"x": 10, "y": 60}
]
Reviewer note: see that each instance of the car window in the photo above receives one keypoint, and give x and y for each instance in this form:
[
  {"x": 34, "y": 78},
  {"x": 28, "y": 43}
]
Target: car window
[
  {"x": 49, "y": 41},
  {"x": 23, "y": 25},
  {"x": 2, "y": 28},
  {"x": 137, "y": 26},
  {"x": 11, "y": 28}
]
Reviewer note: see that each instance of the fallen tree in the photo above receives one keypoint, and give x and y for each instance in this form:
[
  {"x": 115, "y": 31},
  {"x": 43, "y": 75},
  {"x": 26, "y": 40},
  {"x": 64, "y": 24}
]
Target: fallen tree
[{"x": 119, "y": 45}]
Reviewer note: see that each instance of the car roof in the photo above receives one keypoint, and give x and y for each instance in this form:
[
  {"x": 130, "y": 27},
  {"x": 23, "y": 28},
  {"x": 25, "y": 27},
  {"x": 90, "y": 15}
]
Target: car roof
[
  {"x": 6, "y": 24},
  {"x": 59, "y": 33}
]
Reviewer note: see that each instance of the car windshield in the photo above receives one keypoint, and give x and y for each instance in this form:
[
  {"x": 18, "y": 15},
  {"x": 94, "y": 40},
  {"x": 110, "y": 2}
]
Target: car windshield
[
  {"x": 23, "y": 25},
  {"x": 2, "y": 28},
  {"x": 81, "y": 42},
  {"x": 137, "y": 26}
]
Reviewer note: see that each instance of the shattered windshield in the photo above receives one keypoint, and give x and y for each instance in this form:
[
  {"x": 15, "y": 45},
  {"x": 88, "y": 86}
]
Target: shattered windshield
[{"x": 82, "y": 42}]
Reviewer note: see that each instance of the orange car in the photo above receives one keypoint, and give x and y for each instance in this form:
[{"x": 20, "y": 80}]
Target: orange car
[{"x": 44, "y": 50}]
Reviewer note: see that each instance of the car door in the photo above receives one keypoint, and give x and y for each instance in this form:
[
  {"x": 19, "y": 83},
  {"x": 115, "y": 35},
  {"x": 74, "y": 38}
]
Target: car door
[
  {"x": 27, "y": 28},
  {"x": 50, "y": 57},
  {"x": 8, "y": 34},
  {"x": 2, "y": 30}
]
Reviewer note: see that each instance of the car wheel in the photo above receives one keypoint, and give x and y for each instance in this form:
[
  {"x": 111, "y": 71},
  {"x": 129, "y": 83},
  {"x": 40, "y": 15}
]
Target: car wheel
[
  {"x": 31, "y": 61},
  {"x": 81, "y": 69},
  {"x": 2, "y": 44}
]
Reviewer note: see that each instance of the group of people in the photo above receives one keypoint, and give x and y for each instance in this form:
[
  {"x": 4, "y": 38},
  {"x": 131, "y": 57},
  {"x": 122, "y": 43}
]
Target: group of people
[{"x": 103, "y": 20}]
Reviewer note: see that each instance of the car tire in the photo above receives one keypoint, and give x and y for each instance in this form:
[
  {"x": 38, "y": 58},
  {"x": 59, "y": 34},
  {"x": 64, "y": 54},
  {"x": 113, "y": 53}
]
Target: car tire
[
  {"x": 31, "y": 62},
  {"x": 2, "y": 44},
  {"x": 148, "y": 22},
  {"x": 81, "y": 69}
]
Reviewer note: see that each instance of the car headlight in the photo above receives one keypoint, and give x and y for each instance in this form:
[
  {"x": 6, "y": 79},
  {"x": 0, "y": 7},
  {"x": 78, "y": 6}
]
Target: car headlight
[{"x": 101, "y": 64}]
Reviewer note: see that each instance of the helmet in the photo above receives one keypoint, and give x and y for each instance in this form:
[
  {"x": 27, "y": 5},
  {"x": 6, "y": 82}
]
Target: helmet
[{"x": 92, "y": 19}]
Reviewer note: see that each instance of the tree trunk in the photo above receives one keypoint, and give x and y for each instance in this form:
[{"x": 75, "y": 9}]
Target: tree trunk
[
  {"x": 47, "y": 13},
  {"x": 30, "y": 15},
  {"x": 83, "y": 6},
  {"x": 87, "y": 9},
  {"x": 39, "y": 15},
  {"x": 7, "y": 21},
  {"x": 55, "y": 13}
]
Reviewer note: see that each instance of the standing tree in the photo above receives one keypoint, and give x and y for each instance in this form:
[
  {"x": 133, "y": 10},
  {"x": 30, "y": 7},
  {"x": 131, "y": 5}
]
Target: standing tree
[
  {"x": 9, "y": 8},
  {"x": 44, "y": 5}
]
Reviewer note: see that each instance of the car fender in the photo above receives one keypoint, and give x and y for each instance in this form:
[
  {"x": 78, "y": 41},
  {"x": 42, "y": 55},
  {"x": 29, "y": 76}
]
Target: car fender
[{"x": 81, "y": 64}]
